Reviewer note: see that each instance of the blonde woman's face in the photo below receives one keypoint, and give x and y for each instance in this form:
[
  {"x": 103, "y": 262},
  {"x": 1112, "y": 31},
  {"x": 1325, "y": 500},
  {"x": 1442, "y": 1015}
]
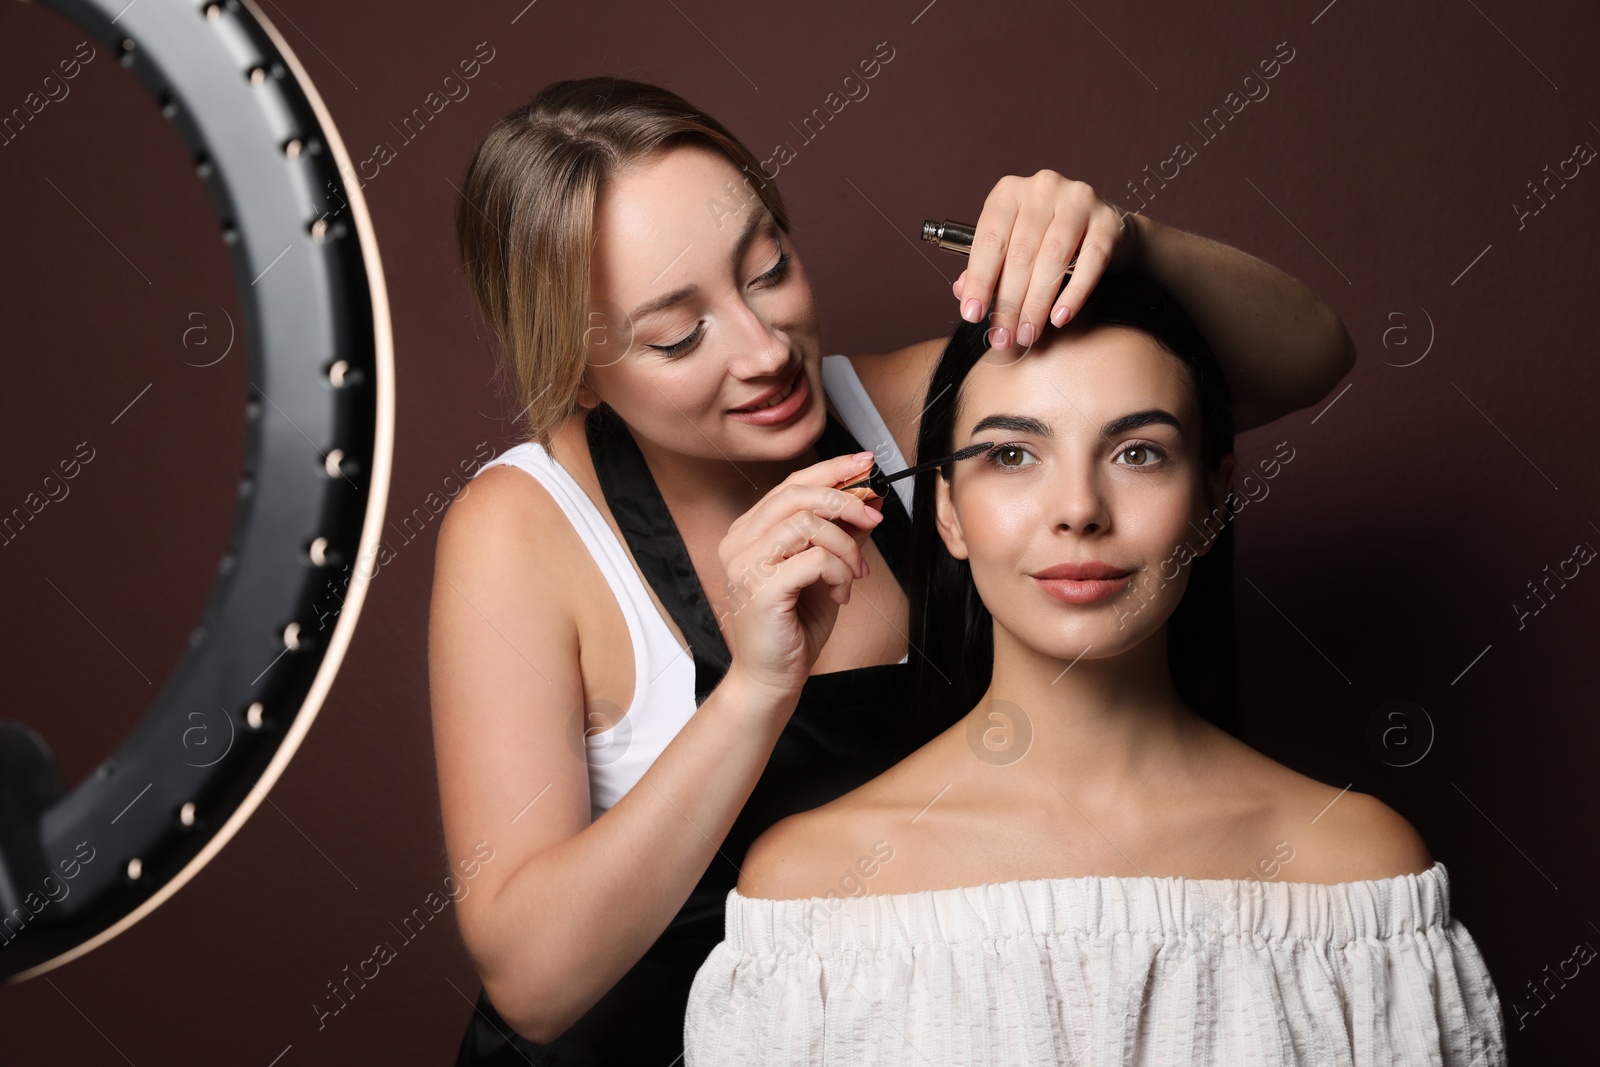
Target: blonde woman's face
[
  {"x": 701, "y": 306},
  {"x": 1101, "y": 464}
]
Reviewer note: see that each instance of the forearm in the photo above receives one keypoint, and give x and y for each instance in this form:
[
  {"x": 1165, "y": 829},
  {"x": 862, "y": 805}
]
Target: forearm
[
  {"x": 1279, "y": 344},
  {"x": 568, "y": 924}
]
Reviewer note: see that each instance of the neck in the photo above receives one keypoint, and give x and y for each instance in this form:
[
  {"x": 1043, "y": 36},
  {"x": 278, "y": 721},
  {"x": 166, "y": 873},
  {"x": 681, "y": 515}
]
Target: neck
[
  {"x": 716, "y": 489},
  {"x": 1102, "y": 728}
]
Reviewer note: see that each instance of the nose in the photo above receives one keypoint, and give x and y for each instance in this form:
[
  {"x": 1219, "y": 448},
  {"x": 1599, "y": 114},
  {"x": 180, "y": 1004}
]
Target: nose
[
  {"x": 759, "y": 352},
  {"x": 1077, "y": 498}
]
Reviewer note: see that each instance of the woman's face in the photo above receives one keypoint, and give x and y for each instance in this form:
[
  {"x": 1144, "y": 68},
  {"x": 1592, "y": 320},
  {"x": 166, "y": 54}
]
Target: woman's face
[
  {"x": 1092, "y": 472},
  {"x": 700, "y": 306}
]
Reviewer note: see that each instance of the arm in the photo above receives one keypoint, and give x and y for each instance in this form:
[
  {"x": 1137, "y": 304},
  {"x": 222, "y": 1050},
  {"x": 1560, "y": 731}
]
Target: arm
[
  {"x": 1280, "y": 345},
  {"x": 562, "y": 908}
]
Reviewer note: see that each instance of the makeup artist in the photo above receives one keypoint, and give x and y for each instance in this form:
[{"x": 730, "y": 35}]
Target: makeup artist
[{"x": 656, "y": 627}]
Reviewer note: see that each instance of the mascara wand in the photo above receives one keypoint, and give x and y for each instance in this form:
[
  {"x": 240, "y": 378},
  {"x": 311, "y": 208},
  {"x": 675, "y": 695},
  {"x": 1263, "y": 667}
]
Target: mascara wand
[{"x": 878, "y": 482}]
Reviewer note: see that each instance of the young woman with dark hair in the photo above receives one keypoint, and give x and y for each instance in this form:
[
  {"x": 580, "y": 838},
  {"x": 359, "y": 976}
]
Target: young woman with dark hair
[
  {"x": 949, "y": 621},
  {"x": 1081, "y": 866}
]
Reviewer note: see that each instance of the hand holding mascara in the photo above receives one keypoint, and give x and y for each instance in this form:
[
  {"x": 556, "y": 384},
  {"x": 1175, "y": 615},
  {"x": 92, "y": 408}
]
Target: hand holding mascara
[
  {"x": 1030, "y": 279},
  {"x": 958, "y": 237},
  {"x": 876, "y": 483}
]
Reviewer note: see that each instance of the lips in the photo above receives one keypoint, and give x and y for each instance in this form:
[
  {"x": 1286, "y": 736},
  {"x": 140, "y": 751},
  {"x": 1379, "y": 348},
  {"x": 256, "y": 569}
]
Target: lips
[
  {"x": 771, "y": 395},
  {"x": 1082, "y": 572}
]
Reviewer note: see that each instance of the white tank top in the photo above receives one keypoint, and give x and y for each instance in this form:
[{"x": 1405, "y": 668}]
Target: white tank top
[{"x": 663, "y": 690}]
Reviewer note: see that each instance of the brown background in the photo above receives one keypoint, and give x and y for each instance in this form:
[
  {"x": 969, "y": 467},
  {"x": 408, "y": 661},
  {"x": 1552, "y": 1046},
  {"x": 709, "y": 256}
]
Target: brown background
[{"x": 1382, "y": 170}]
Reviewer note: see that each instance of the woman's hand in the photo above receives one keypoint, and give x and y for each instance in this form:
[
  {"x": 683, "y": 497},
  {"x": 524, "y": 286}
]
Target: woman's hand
[
  {"x": 1030, "y": 230},
  {"x": 789, "y": 568}
]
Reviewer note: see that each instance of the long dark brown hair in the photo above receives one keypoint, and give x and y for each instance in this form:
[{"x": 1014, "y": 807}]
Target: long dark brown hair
[{"x": 952, "y": 633}]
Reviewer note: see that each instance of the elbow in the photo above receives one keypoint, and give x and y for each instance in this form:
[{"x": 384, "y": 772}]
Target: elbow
[
  {"x": 1320, "y": 356},
  {"x": 1343, "y": 360},
  {"x": 532, "y": 975},
  {"x": 1333, "y": 358},
  {"x": 517, "y": 988},
  {"x": 527, "y": 1010},
  {"x": 543, "y": 1027},
  {"x": 1336, "y": 358}
]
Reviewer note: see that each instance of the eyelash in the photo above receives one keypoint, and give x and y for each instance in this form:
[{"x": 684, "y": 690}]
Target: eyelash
[
  {"x": 992, "y": 456},
  {"x": 772, "y": 276}
]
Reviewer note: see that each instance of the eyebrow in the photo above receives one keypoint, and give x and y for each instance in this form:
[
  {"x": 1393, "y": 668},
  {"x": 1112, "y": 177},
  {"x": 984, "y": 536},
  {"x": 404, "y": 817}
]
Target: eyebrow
[
  {"x": 666, "y": 300},
  {"x": 1038, "y": 428}
]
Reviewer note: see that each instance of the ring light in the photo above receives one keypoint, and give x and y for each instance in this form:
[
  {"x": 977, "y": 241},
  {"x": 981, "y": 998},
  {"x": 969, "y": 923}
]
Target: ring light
[{"x": 317, "y": 455}]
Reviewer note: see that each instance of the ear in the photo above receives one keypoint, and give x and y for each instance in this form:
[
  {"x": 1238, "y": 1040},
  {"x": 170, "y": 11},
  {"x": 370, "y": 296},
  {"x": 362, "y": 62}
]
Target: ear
[
  {"x": 1217, "y": 488},
  {"x": 587, "y": 397},
  {"x": 945, "y": 518}
]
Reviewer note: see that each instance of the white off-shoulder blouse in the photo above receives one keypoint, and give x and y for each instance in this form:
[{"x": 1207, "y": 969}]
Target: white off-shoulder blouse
[{"x": 1099, "y": 971}]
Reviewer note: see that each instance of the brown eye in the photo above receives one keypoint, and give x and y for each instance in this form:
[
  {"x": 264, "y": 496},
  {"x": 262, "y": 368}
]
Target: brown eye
[
  {"x": 1150, "y": 455},
  {"x": 992, "y": 457}
]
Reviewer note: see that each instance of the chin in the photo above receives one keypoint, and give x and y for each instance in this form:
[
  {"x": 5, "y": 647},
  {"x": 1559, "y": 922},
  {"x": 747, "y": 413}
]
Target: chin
[
  {"x": 799, "y": 438},
  {"x": 1101, "y": 633}
]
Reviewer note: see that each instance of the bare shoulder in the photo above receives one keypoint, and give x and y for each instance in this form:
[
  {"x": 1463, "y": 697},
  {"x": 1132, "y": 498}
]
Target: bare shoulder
[
  {"x": 897, "y": 382},
  {"x": 837, "y": 849},
  {"x": 504, "y": 509},
  {"x": 1326, "y": 833},
  {"x": 504, "y": 544},
  {"x": 501, "y": 492},
  {"x": 505, "y": 541},
  {"x": 783, "y": 862},
  {"x": 1351, "y": 837},
  {"x": 912, "y": 361},
  {"x": 828, "y": 851}
]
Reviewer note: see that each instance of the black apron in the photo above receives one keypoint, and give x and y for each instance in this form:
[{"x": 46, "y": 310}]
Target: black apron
[{"x": 842, "y": 734}]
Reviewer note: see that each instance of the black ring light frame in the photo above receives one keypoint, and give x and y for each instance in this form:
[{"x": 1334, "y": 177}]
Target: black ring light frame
[{"x": 318, "y": 449}]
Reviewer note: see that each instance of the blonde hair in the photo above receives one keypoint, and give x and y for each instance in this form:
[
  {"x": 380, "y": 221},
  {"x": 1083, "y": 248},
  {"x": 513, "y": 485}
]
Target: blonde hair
[{"x": 525, "y": 221}]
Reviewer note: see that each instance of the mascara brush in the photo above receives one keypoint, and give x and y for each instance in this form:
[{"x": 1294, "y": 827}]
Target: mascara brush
[{"x": 877, "y": 482}]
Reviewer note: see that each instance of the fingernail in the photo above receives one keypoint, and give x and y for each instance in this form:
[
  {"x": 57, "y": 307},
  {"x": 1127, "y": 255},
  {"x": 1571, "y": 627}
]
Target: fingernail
[
  {"x": 971, "y": 310},
  {"x": 1025, "y": 334},
  {"x": 862, "y": 457},
  {"x": 1061, "y": 316},
  {"x": 1002, "y": 337},
  {"x": 874, "y": 514}
]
